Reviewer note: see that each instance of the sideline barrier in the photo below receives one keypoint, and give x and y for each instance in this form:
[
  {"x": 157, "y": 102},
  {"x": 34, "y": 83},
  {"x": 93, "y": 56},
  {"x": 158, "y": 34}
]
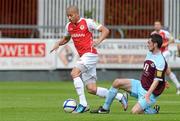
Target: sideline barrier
[{"x": 33, "y": 54}]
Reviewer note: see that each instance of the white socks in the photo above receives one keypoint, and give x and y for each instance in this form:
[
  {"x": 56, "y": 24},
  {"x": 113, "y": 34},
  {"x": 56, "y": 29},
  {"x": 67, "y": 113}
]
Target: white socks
[
  {"x": 102, "y": 92},
  {"x": 79, "y": 86},
  {"x": 173, "y": 77}
]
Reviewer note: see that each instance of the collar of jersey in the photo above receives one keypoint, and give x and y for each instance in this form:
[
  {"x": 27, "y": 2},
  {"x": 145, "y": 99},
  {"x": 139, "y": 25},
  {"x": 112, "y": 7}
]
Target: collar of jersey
[{"x": 79, "y": 20}]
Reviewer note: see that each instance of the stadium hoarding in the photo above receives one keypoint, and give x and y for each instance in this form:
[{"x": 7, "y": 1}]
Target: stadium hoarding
[
  {"x": 116, "y": 54},
  {"x": 26, "y": 54},
  {"x": 33, "y": 54}
]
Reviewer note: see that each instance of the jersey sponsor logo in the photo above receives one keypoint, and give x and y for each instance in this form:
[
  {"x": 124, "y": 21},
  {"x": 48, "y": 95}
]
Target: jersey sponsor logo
[
  {"x": 78, "y": 35},
  {"x": 22, "y": 49},
  {"x": 82, "y": 27}
]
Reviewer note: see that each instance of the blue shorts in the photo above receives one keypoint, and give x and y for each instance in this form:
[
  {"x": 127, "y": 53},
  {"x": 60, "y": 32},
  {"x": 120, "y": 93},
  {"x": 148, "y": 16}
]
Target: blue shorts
[{"x": 139, "y": 92}]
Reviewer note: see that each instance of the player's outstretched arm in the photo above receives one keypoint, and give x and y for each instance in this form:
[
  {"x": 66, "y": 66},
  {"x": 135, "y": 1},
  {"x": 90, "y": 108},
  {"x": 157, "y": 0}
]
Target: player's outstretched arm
[
  {"x": 104, "y": 33},
  {"x": 151, "y": 89},
  {"x": 63, "y": 41}
]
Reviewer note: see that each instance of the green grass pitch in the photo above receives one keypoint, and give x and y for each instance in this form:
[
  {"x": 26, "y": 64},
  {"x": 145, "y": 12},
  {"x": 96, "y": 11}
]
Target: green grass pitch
[{"x": 42, "y": 101}]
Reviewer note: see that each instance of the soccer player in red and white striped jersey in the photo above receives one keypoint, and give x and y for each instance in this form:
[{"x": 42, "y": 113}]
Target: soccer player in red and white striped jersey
[{"x": 80, "y": 30}]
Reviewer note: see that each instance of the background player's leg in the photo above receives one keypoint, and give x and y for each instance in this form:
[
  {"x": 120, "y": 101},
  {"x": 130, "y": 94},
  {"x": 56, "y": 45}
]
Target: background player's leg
[
  {"x": 174, "y": 79},
  {"x": 171, "y": 75},
  {"x": 79, "y": 86}
]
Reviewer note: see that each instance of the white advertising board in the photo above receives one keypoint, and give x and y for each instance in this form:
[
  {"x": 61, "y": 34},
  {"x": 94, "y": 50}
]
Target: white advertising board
[
  {"x": 26, "y": 54},
  {"x": 116, "y": 53},
  {"x": 33, "y": 54}
]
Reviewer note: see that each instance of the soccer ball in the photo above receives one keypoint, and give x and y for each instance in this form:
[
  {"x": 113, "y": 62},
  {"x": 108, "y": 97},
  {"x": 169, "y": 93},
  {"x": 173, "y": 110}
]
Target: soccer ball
[{"x": 69, "y": 105}]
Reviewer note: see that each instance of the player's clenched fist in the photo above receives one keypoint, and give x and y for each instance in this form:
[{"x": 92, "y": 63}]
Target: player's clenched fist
[{"x": 95, "y": 43}]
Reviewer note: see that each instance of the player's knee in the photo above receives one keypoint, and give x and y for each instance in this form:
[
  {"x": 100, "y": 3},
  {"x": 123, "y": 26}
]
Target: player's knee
[
  {"x": 117, "y": 83},
  {"x": 75, "y": 73},
  {"x": 133, "y": 111},
  {"x": 92, "y": 90}
]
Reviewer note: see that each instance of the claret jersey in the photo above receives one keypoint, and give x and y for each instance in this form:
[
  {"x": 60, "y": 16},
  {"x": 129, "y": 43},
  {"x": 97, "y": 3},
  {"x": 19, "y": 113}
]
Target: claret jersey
[
  {"x": 154, "y": 69},
  {"x": 81, "y": 34}
]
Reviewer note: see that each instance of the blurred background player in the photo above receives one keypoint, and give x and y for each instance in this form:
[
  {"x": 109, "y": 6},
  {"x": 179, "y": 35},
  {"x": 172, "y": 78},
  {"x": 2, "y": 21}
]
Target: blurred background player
[
  {"x": 167, "y": 39},
  {"x": 80, "y": 30},
  {"x": 149, "y": 88}
]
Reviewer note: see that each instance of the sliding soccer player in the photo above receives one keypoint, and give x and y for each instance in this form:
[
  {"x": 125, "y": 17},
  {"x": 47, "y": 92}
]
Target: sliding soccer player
[{"x": 147, "y": 89}]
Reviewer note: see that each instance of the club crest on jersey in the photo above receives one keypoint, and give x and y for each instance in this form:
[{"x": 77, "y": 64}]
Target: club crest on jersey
[
  {"x": 71, "y": 29},
  {"x": 82, "y": 27},
  {"x": 152, "y": 65}
]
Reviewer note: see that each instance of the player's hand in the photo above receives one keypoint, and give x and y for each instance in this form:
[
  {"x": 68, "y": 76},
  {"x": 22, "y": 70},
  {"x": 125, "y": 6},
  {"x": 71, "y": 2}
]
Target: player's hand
[
  {"x": 147, "y": 97},
  {"x": 167, "y": 85},
  {"x": 56, "y": 46},
  {"x": 95, "y": 43}
]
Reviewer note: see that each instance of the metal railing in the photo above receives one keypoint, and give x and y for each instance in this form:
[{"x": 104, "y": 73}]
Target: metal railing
[
  {"x": 122, "y": 28},
  {"x": 47, "y": 18},
  {"x": 53, "y": 13},
  {"x": 35, "y": 29},
  {"x": 172, "y": 16}
]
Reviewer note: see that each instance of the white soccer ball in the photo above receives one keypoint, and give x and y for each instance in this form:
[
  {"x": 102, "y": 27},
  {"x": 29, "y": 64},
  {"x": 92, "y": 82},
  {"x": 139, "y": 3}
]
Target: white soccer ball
[{"x": 69, "y": 105}]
